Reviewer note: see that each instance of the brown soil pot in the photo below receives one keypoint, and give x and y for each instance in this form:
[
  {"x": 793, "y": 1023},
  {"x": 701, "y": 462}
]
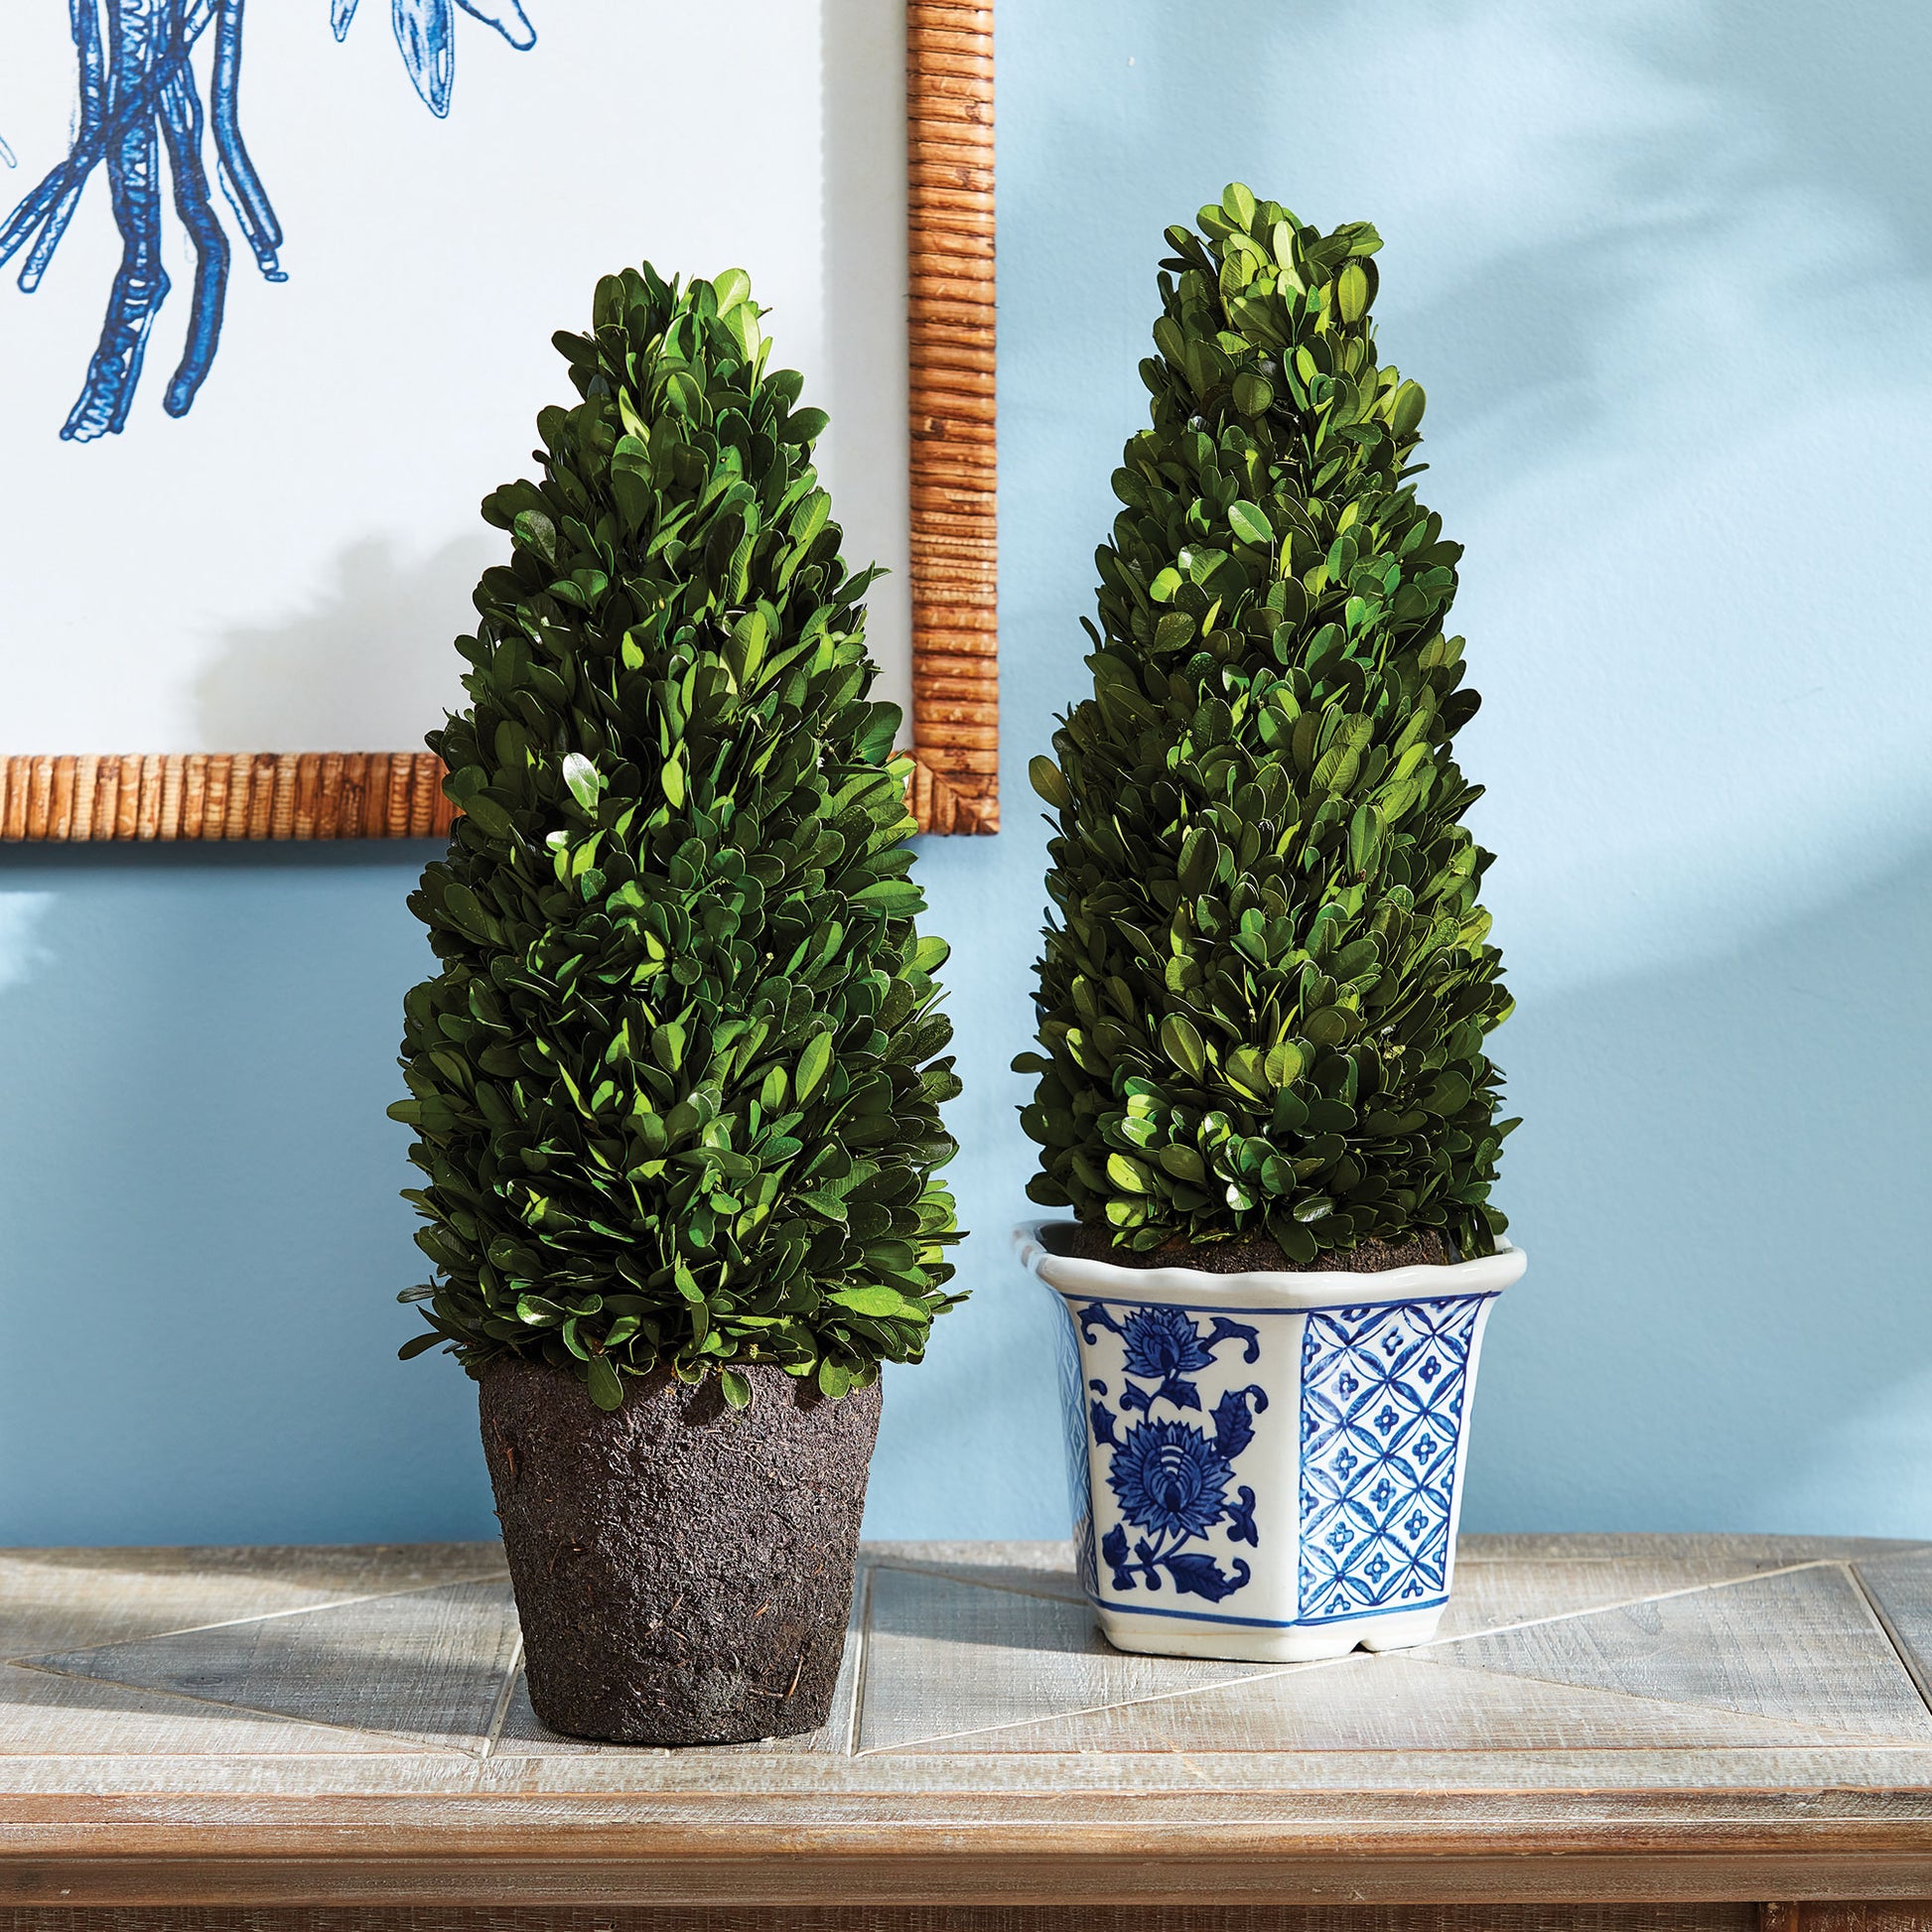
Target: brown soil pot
[{"x": 683, "y": 1571}]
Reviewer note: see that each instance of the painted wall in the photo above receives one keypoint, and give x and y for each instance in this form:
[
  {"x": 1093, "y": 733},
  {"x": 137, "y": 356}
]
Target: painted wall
[{"x": 1663, "y": 269}]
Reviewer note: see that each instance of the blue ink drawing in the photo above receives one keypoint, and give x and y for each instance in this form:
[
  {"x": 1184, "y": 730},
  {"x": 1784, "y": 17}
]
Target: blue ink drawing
[
  {"x": 426, "y": 34},
  {"x": 140, "y": 98},
  {"x": 1169, "y": 1477}
]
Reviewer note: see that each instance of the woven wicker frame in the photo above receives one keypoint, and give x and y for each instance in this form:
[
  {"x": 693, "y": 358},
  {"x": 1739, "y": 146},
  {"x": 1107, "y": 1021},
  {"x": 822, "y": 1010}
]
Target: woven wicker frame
[{"x": 955, "y": 670}]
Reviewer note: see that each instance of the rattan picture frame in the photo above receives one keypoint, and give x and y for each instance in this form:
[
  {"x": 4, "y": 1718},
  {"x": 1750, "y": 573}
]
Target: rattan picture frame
[{"x": 954, "y": 548}]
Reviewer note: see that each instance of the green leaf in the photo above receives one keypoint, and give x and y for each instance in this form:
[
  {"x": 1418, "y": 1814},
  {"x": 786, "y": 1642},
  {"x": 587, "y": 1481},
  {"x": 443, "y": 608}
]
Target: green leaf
[
  {"x": 1254, "y": 395},
  {"x": 1048, "y": 781},
  {"x": 1183, "y": 1162},
  {"x": 1183, "y": 1045},
  {"x": 736, "y": 1390},
  {"x": 1246, "y": 1071},
  {"x": 1448, "y": 1095},
  {"x": 805, "y": 426},
  {"x": 875, "y": 1299},
  {"x": 1366, "y": 831},
  {"x": 897, "y": 899},
  {"x": 581, "y": 776},
  {"x": 813, "y": 1066},
  {"x": 1200, "y": 860},
  {"x": 606, "y": 1386},
  {"x": 1282, "y": 1063},
  {"x": 1351, "y": 292},
  {"x": 1250, "y": 524}
]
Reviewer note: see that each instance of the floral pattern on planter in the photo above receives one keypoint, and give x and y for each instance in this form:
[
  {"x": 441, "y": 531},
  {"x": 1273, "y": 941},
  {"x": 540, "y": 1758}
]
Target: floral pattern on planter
[
  {"x": 1382, "y": 1393},
  {"x": 1173, "y": 1477}
]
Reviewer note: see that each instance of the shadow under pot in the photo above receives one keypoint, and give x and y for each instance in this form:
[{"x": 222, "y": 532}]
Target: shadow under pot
[
  {"x": 1268, "y": 1465},
  {"x": 683, "y": 1571}
]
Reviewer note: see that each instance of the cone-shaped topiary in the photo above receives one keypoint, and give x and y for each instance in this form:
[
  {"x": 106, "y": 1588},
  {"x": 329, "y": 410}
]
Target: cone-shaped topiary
[
  {"x": 674, "y": 1084},
  {"x": 1265, "y": 1002}
]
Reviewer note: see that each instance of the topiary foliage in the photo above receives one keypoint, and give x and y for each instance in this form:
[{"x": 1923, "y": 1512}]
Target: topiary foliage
[
  {"x": 675, "y": 1085},
  {"x": 1264, "y": 1005}
]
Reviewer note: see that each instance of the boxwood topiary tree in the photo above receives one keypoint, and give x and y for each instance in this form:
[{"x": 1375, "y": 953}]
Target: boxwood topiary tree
[
  {"x": 674, "y": 1084},
  {"x": 1264, "y": 1005}
]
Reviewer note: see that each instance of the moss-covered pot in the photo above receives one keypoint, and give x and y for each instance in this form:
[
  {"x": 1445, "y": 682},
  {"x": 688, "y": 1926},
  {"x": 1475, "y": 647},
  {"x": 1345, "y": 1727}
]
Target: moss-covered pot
[
  {"x": 683, "y": 1571},
  {"x": 1266, "y": 1466}
]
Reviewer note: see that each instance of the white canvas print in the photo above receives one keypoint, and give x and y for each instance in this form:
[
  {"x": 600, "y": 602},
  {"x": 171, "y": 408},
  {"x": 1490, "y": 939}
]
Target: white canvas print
[{"x": 281, "y": 279}]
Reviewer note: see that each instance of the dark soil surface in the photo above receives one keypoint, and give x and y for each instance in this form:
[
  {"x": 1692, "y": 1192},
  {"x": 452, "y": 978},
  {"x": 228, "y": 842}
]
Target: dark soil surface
[
  {"x": 683, "y": 1571},
  {"x": 1242, "y": 1257}
]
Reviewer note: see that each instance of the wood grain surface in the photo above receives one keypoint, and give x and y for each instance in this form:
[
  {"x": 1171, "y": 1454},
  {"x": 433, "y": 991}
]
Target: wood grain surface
[
  {"x": 994, "y": 1918},
  {"x": 1662, "y": 1723},
  {"x": 954, "y": 551},
  {"x": 952, "y": 365}
]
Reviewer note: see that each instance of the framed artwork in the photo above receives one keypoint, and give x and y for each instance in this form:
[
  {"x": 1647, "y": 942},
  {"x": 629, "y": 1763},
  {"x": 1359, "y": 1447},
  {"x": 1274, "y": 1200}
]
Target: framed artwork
[{"x": 280, "y": 282}]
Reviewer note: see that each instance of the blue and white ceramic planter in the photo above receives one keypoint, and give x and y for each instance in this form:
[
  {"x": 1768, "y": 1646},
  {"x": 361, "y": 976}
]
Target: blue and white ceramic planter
[{"x": 1266, "y": 1466}]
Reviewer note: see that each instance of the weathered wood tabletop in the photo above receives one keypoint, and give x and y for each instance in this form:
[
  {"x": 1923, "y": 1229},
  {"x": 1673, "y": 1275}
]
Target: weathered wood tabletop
[{"x": 1692, "y": 1727}]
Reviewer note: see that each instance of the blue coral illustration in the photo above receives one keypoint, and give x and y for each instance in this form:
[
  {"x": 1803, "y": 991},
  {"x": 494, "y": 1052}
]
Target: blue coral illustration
[
  {"x": 142, "y": 98},
  {"x": 1171, "y": 1477}
]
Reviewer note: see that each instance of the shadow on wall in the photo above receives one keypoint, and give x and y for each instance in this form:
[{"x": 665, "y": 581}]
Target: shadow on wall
[
  {"x": 383, "y": 622},
  {"x": 1722, "y": 1189},
  {"x": 1844, "y": 90},
  {"x": 1572, "y": 199}
]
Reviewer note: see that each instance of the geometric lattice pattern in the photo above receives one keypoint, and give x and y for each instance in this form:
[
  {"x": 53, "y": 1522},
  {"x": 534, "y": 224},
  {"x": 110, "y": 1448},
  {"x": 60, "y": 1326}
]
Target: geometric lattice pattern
[{"x": 1382, "y": 1395}]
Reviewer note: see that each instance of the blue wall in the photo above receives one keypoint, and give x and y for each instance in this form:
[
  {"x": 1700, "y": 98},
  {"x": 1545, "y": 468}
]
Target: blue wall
[{"x": 1662, "y": 268}]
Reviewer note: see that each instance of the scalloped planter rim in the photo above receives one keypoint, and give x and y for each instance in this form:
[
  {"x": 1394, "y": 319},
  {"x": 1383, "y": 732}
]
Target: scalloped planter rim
[{"x": 1266, "y": 1466}]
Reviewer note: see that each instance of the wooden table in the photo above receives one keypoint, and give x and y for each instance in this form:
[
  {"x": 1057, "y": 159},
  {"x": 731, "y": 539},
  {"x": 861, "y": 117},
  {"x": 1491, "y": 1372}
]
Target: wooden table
[{"x": 1626, "y": 1732}]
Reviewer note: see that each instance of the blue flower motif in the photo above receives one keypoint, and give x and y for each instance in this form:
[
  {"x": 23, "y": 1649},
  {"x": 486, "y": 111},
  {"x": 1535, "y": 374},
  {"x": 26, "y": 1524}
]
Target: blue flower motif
[
  {"x": 1170, "y": 1478},
  {"x": 1162, "y": 1342},
  {"x": 1241, "y": 1518}
]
